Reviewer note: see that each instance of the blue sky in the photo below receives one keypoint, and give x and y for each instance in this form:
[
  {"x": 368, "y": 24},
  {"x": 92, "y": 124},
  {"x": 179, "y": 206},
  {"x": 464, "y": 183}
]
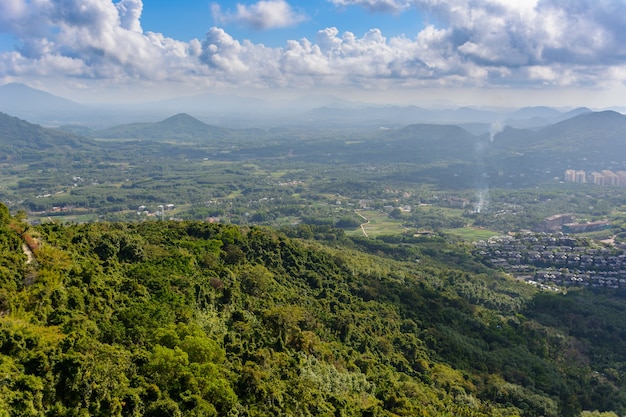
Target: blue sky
[
  {"x": 465, "y": 52},
  {"x": 189, "y": 19}
]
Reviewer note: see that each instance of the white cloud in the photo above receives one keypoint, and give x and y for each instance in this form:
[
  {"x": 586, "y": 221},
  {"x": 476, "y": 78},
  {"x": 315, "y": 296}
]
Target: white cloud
[
  {"x": 14, "y": 64},
  {"x": 334, "y": 60},
  {"x": 470, "y": 43},
  {"x": 266, "y": 14},
  {"x": 533, "y": 32},
  {"x": 224, "y": 53},
  {"x": 381, "y": 6},
  {"x": 130, "y": 12},
  {"x": 23, "y": 18},
  {"x": 95, "y": 39},
  {"x": 519, "y": 33},
  {"x": 10, "y": 12}
]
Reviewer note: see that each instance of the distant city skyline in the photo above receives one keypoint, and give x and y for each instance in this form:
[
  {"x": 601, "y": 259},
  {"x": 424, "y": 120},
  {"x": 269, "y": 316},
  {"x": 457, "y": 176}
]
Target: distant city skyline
[{"x": 458, "y": 52}]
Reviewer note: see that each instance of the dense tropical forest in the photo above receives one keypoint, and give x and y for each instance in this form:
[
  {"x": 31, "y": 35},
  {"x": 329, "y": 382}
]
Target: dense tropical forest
[{"x": 188, "y": 318}]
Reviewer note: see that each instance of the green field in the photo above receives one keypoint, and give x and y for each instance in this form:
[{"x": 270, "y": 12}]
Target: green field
[{"x": 379, "y": 224}]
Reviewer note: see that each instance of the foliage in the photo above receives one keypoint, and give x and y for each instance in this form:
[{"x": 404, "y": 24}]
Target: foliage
[{"x": 187, "y": 318}]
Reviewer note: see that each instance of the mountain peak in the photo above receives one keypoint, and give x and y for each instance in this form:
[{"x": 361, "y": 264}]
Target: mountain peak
[
  {"x": 608, "y": 122},
  {"x": 14, "y": 87},
  {"x": 181, "y": 118},
  {"x": 18, "y": 90},
  {"x": 27, "y": 102},
  {"x": 183, "y": 122},
  {"x": 597, "y": 119},
  {"x": 180, "y": 126},
  {"x": 605, "y": 114}
]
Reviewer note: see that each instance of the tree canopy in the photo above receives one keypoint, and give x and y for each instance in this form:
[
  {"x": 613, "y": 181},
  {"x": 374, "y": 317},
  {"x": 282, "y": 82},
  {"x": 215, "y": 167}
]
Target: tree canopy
[{"x": 186, "y": 318}]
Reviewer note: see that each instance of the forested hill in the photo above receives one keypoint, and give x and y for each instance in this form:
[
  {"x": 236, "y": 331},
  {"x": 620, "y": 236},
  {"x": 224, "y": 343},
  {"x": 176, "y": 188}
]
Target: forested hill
[
  {"x": 200, "y": 319},
  {"x": 180, "y": 127},
  {"x": 22, "y": 139}
]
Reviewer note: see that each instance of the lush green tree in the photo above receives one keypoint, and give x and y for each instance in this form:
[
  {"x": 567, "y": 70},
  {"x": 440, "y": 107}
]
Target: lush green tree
[
  {"x": 396, "y": 213},
  {"x": 191, "y": 318}
]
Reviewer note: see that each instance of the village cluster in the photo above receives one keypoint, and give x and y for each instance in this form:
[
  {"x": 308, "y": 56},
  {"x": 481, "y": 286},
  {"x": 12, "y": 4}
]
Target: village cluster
[{"x": 555, "y": 260}]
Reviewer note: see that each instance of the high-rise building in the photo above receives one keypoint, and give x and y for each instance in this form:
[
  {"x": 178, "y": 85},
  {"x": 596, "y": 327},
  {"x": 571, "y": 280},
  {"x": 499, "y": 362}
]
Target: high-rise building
[
  {"x": 597, "y": 178},
  {"x": 610, "y": 178}
]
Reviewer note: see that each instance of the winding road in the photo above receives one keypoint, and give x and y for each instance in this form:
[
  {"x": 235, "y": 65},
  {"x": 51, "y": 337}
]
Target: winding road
[{"x": 363, "y": 224}]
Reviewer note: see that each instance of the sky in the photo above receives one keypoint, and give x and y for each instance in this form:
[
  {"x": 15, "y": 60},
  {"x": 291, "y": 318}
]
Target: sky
[{"x": 458, "y": 52}]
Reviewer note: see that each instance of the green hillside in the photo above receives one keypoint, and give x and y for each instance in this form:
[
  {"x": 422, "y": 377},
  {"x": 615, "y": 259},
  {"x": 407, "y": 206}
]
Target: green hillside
[
  {"x": 20, "y": 139},
  {"x": 599, "y": 136},
  {"x": 180, "y": 127},
  {"x": 199, "y": 319}
]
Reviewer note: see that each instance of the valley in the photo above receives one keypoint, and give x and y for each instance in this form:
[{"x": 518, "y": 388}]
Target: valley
[
  {"x": 437, "y": 176},
  {"x": 423, "y": 270}
]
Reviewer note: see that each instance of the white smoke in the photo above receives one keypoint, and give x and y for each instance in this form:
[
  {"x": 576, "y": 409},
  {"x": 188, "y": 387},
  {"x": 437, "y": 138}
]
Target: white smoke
[
  {"x": 494, "y": 129},
  {"x": 482, "y": 194},
  {"x": 482, "y": 197}
]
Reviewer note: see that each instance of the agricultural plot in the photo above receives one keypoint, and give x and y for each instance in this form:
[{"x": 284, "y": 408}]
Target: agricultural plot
[{"x": 377, "y": 223}]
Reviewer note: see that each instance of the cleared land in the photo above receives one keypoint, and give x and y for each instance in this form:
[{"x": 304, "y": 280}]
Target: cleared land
[{"x": 377, "y": 224}]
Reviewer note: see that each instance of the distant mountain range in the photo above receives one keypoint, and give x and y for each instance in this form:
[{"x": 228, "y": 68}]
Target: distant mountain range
[
  {"x": 589, "y": 136},
  {"x": 178, "y": 128},
  {"x": 239, "y": 112},
  {"x": 382, "y": 115},
  {"x": 18, "y": 99},
  {"x": 39, "y": 106},
  {"x": 595, "y": 133}
]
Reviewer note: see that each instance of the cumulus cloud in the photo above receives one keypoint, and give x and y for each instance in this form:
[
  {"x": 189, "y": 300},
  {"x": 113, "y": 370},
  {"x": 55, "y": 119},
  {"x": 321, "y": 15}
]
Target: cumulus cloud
[
  {"x": 266, "y": 14},
  {"x": 95, "y": 39},
  {"x": 503, "y": 33},
  {"x": 468, "y": 43},
  {"x": 381, "y": 6},
  {"x": 21, "y": 18},
  {"x": 472, "y": 42},
  {"x": 334, "y": 60},
  {"x": 129, "y": 12},
  {"x": 533, "y": 32}
]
